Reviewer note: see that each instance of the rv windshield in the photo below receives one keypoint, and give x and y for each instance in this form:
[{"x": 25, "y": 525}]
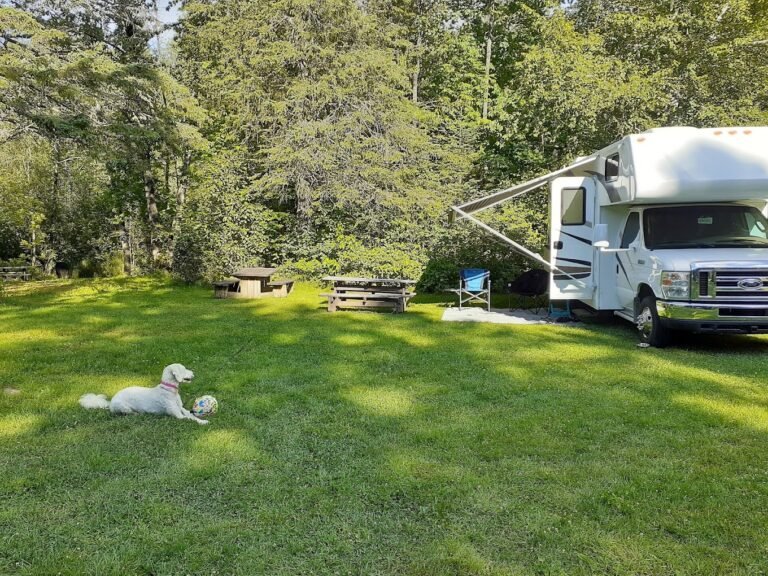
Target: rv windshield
[{"x": 705, "y": 226}]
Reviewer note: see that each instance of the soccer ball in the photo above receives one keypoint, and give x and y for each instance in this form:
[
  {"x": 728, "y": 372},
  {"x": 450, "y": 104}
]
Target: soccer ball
[{"x": 205, "y": 406}]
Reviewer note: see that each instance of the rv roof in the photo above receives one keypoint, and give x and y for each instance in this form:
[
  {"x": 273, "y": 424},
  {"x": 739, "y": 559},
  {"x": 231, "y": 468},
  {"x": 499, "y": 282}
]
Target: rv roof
[{"x": 696, "y": 164}]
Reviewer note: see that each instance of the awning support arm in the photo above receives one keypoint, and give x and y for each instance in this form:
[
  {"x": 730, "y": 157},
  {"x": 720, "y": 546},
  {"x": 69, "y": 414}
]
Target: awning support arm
[{"x": 519, "y": 247}]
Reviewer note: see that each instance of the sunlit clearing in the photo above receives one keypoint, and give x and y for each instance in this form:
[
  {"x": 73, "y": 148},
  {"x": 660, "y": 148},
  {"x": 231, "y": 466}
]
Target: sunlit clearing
[
  {"x": 94, "y": 320},
  {"x": 380, "y": 401},
  {"x": 38, "y": 335},
  {"x": 750, "y": 415},
  {"x": 354, "y": 340},
  {"x": 17, "y": 424},
  {"x": 217, "y": 447},
  {"x": 285, "y": 338},
  {"x": 413, "y": 338}
]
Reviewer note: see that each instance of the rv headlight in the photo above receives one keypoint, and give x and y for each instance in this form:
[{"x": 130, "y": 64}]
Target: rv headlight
[{"x": 675, "y": 285}]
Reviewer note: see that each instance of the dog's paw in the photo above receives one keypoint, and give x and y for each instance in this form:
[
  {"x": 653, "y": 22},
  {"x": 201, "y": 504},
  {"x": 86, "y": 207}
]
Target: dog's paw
[{"x": 202, "y": 421}]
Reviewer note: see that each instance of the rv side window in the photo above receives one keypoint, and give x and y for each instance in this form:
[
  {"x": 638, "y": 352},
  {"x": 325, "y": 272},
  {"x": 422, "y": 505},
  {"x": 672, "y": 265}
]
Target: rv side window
[
  {"x": 612, "y": 168},
  {"x": 573, "y": 208},
  {"x": 631, "y": 230},
  {"x": 756, "y": 227}
]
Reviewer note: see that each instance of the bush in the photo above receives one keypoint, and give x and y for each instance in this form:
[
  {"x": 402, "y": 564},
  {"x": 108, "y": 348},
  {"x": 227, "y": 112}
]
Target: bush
[
  {"x": 391, "y": 261},
  {"x": 345, "y": 254},
  {"x": 14, "y": 262},
  {"x": 310, "y": 269},
  {"x": 439, "y": 275},
  {"x": 86, "y": 268},
  {"x": 113, "y": 265},
  {"x": 467, "y": 246}
]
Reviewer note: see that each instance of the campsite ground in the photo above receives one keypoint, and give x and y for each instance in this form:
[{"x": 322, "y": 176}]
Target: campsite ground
[{"x": 362, "y": 443}]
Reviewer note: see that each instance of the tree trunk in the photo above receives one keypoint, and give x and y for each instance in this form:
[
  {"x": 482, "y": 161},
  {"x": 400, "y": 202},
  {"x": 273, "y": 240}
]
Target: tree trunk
[
  {"x": 150, "y": 193},
  {"x": 125, "y": 246},
  {"x": 182, "y": 183},
  {"x": 488, "y": 50},
  {"x": 34, "y": 243},
  {"x": 417, "y": 72}
]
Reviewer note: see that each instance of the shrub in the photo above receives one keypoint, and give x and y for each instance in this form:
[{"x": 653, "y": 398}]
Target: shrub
[
  {"x": 467, "y": 246},
  {"x": 310, "y": 269},
  {"x": 112, "y": 265},
  {"x": 86, "y": 268}
]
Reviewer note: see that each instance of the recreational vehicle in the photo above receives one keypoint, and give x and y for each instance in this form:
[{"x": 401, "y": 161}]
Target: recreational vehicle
[{"x": 666, "y": 229}]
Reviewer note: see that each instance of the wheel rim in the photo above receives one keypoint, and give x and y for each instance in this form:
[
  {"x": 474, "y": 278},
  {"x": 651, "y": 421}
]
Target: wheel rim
[{"x": 645, "y": 323}]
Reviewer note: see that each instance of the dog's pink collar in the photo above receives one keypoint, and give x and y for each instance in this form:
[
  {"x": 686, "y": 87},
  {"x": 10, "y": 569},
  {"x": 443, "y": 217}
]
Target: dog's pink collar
[{"x": 170, "y": 386}]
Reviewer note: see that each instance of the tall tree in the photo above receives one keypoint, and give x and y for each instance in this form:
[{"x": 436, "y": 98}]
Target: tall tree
[
  {"x": 319, "y": 100},
  {"x": 80, "y": 75},
  {"x": 712, "y": 54}
]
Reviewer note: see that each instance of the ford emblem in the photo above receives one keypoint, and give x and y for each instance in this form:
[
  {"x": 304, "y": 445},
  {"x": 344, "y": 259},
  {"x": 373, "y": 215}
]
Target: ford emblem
[{"x": 750, "y": 283}]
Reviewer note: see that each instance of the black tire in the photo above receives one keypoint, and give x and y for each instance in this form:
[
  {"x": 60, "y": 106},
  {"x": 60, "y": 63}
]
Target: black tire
[{"x": 651, "y": 330}]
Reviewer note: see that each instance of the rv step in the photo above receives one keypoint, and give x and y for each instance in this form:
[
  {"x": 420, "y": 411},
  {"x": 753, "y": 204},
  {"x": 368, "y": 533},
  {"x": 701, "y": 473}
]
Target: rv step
[{"x": 624, "y": 314}]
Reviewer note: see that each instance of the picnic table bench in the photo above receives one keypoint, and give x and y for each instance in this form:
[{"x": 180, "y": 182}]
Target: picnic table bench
[
  {"x": 227, "y": 288},
  {"x": 252, "y": 283},
  {"x": 368, "y": 293},
  {"x": 14, "y": 272},
  {"x": 281, "y": 288}
]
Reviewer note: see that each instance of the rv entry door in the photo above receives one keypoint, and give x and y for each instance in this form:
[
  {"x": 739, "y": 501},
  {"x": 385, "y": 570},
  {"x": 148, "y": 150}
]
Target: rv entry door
[{"x": 571, "y": 251}]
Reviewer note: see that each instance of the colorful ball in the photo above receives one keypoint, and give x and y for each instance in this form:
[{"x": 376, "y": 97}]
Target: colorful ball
[{"x": 205, "y": 406}]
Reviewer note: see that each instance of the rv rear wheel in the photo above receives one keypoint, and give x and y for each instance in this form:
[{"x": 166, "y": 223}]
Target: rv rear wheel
[{"x": 651, "y": 330}]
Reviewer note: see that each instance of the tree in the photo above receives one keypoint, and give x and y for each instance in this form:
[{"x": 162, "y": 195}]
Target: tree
[
  {"x": 712, "y": 55},
  {"x": 80, "y": 77},
  {"x": 323, "y": 109}
]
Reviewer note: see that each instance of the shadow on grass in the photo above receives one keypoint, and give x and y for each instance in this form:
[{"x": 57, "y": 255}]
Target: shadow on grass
[{"x": 357, "y": 442}]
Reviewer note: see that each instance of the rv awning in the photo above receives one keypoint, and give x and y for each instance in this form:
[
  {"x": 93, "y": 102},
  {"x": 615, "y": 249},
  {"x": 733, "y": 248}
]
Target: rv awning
[
  {"x": 466, "y": 210},
  {"x": 518, "y": 190}
]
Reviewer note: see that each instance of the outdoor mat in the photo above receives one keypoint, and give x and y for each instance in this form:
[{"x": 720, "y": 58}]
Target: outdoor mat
[{"x": 498, "y": 316}]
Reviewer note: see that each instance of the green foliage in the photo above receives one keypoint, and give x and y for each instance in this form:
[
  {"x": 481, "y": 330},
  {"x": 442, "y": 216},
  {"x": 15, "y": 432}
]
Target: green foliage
[
  {"x": 710, "y": 56},
  {"x": 102, "y": 130},
  {"x": 311, "y": 269},
  {"x": 464, "y": 245},
  {"x": 113, "y": 266},
  {"x": 331, "y": 136},
  {"x": 225, "y": 226},
  {"x": 346, "y": 254},
  {"x": 335, "y": 142}
]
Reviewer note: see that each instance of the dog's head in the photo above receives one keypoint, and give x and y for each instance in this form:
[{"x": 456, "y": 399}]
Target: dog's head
[{"x": 177, "y": 373}]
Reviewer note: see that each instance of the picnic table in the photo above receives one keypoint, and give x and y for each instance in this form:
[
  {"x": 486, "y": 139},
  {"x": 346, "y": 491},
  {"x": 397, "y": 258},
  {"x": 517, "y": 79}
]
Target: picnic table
[
  {"x": 14, "y": 272},
  {"x": 252, "y": 283},
  {"x": 350, "y": 292}
]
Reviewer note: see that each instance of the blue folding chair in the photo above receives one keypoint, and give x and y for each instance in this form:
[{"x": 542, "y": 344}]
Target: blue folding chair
[
  {"x": 560, "y": 314},
  {"x": 474, "y": 285}
]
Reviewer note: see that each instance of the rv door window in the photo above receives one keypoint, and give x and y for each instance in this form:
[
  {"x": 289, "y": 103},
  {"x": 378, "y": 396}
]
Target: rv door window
[
  {"x": 612, "y": 168},
  {"x": 631, "y": 230},
  {"x": 573, "y": 209}
]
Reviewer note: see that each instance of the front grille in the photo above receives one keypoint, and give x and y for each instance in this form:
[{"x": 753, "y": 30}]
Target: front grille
[
  {"x": 729, "y": 285},
  {"x": 704, "y": 283},
  {"x": 741, "y": 284}
]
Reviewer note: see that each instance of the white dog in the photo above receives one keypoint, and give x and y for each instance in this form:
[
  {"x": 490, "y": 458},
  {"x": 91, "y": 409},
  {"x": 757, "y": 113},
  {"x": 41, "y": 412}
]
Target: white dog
[{"x": 162, "y": 399}]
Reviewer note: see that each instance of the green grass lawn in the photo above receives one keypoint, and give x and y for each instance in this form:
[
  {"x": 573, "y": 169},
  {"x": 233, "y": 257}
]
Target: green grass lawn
[{"x": 364, "y": 443}]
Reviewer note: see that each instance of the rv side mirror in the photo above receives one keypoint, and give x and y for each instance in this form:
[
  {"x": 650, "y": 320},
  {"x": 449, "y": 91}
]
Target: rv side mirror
[{"x": 600, "y": 238}]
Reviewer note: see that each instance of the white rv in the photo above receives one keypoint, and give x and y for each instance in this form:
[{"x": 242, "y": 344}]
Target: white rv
[{"x": 667, "y": 229}]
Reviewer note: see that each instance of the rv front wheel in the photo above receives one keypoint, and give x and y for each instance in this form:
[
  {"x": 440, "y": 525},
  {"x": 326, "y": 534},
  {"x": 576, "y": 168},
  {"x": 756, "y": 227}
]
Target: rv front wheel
[{"x": 651, "y": 330}]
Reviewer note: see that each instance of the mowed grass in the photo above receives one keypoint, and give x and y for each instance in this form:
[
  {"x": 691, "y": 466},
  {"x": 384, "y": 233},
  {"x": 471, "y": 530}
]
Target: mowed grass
[{"x": 364, "y": 443}]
